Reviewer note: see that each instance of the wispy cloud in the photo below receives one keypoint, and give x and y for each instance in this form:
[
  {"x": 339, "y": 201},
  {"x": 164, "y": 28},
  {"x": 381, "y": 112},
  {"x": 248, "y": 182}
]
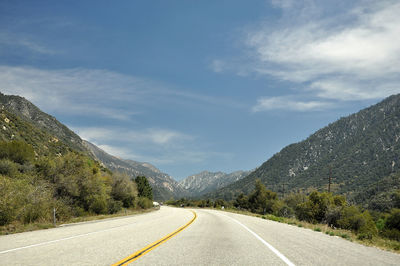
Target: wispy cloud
[
  {"x": 106, "y": 93},
  {"x": 152, "y": 136},
  {"x": 74, "y": 91},
  {"x": 337, "y": 52},
  {"x": 159, "y": 146},
  {"x": 8, "y": 39},
  {"x": 288, "y": 103}
]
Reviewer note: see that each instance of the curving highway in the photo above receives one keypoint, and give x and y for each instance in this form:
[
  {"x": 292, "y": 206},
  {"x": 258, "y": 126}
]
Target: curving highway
[{"x": 176, "y": 236}]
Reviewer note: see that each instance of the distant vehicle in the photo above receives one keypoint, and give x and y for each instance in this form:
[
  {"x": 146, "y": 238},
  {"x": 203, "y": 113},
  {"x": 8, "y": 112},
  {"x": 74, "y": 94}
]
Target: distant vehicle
[{"x": 156, "y": 204}]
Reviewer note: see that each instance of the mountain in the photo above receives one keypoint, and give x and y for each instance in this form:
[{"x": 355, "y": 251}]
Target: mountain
[
  {"x": 32, "y": 114},
  {"x": 12, "y": 127},
  {"x": 27, "y": 122},
  {"x": 164, "y": 187},
  {"x": 359, "y": 150},
  {"x": 205, "y": 181}
]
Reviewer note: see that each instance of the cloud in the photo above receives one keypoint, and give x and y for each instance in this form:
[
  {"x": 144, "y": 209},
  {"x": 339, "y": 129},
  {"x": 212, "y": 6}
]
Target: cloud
[
  {"x": 74, "y": 91},
  {"x": 13, "y": 40},
  {"x": 159, "y": 146},
  {"x": 154, "y": 136},
  {"x": 287, "y": 103},
  {"x": 105, "y": 93},
  {"x": 339, "y": 51},
  {"x": 217, "y": 66}
]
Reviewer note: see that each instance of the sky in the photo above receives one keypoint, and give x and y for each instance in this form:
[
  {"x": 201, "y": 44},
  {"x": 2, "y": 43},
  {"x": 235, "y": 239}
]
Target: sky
[{"x": 218, "y": 85}]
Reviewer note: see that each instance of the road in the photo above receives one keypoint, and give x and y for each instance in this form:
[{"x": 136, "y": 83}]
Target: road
[{"x": 213, "y": 238}]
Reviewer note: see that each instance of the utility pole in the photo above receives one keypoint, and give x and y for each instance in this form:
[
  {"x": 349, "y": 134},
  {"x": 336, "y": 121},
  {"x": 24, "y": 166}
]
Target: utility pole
[
  {"x": 330, "y": 178},
  {"x": 283, "y": 190},
  {"x": 54, "y": 217}
]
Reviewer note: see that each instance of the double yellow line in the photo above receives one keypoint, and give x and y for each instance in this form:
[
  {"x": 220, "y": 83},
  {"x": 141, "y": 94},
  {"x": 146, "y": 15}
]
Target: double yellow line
[{"x": 153, "y": 245}]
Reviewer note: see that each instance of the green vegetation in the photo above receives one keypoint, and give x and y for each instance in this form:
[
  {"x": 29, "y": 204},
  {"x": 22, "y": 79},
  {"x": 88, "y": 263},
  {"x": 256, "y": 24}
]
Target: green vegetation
[
  {"x": 322, "y": 208},
  {"x": 144, "y": 188},
  {"x": 361, "y": 150},
  {"x": 31, "y": 186},
  {"x": 321, "y": 212}
]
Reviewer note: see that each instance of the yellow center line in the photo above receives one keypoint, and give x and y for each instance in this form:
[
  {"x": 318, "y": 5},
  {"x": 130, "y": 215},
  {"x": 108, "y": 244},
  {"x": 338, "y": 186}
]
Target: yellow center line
[{"x": 153, "y": 245}]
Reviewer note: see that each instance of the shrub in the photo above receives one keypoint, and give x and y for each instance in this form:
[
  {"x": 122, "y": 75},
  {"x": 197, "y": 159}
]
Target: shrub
[
  {"x": 350, "y": 218},
  {"x": 114, "y": 206},
  {"x": 144, "y": 203},
  {"x": 361, "y": 223},
  {"x": 17, "y": 151},
  {"x": 380, "y": 224},
  {"x": 8, "y": 168},
  {"x": 98, "y": 204},
  {"x": 38, "y": 204},
  {"x": 393, "y": 220},
  {"x": 124, "y": 190}
]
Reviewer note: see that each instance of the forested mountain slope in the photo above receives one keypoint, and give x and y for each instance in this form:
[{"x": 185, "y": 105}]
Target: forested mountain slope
[{"x": 360, "y": 150}]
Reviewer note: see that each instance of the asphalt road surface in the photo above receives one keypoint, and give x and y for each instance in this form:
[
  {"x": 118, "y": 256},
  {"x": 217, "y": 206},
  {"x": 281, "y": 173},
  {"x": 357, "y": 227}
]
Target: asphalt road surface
[{"x": 213, "y": 238}]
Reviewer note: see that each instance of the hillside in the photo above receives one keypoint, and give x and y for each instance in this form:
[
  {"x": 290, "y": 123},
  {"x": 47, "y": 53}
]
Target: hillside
[
  {"x": 164, "y": 187},
  {"x": 30, "y": 124},
  {"x": 205, "y": 181},
  {"x": 14, "y": 128},
  {"x": 32, "y": 114},
  {"x": 360, "y": 149}
]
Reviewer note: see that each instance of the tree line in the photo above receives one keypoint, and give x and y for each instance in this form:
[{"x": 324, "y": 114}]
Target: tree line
[{"x": 317, "y": 207}]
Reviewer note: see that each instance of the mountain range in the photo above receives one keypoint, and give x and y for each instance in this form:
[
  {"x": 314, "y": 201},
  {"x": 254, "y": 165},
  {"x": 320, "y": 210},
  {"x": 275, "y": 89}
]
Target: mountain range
[
  {"x": 358, "y": 154},
  {"x": 206, "y": 181}
]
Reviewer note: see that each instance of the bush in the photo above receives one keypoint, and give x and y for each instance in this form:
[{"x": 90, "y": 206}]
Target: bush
[
  {"x": 320, "y": 207},
  {"x": 38, "y": 204},
  {"x": 145, "y": 203},
  {"x": 8, "y": 168},
  {"x": 124, "y": 190},
  {"x": 98, "y": 204},
  {"x": 17, "y": 151},
  {"x": 114, "y": 206},
  {"x": 393, "y": 220},
  {"x": 361, "y": 223},
  {"x": 391, "y": 234},
  {"x": 350, "y": 218}
]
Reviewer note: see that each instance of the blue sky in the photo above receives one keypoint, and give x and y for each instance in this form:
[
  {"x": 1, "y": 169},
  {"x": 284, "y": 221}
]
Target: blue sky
[{"x": 199, "y": 85}]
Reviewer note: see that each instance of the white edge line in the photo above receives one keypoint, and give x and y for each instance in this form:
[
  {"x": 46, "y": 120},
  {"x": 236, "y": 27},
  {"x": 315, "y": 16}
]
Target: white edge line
[
  {"x": 280, "y": 255},
  {"x": 61, "y": 239}
]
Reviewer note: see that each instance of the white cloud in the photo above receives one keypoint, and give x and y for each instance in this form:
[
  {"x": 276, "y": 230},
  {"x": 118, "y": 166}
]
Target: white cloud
[
  {"x": 288, "y": 103},
  {"x": 158, "y": 146},
  {"x": 13, "y": 40},
  {"x": 74, "y": 91},
  {"x": 338, "y": 52},
  {"x": 153, "y": 136},
  {"x": 105, "y": 93}
]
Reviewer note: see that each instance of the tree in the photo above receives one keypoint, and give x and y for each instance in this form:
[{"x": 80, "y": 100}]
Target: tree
[
  {"x": 144, "y": 188},
  {"x": 124, "y": 190},
  {"x": 262, "y": 200}
]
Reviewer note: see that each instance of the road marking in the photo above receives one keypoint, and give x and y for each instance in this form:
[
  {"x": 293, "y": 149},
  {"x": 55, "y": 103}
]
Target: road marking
[
  {"x": 280, "y": 255},
  {"x": 63, "y": 239},
  {"x": 153, "y": 245}
]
